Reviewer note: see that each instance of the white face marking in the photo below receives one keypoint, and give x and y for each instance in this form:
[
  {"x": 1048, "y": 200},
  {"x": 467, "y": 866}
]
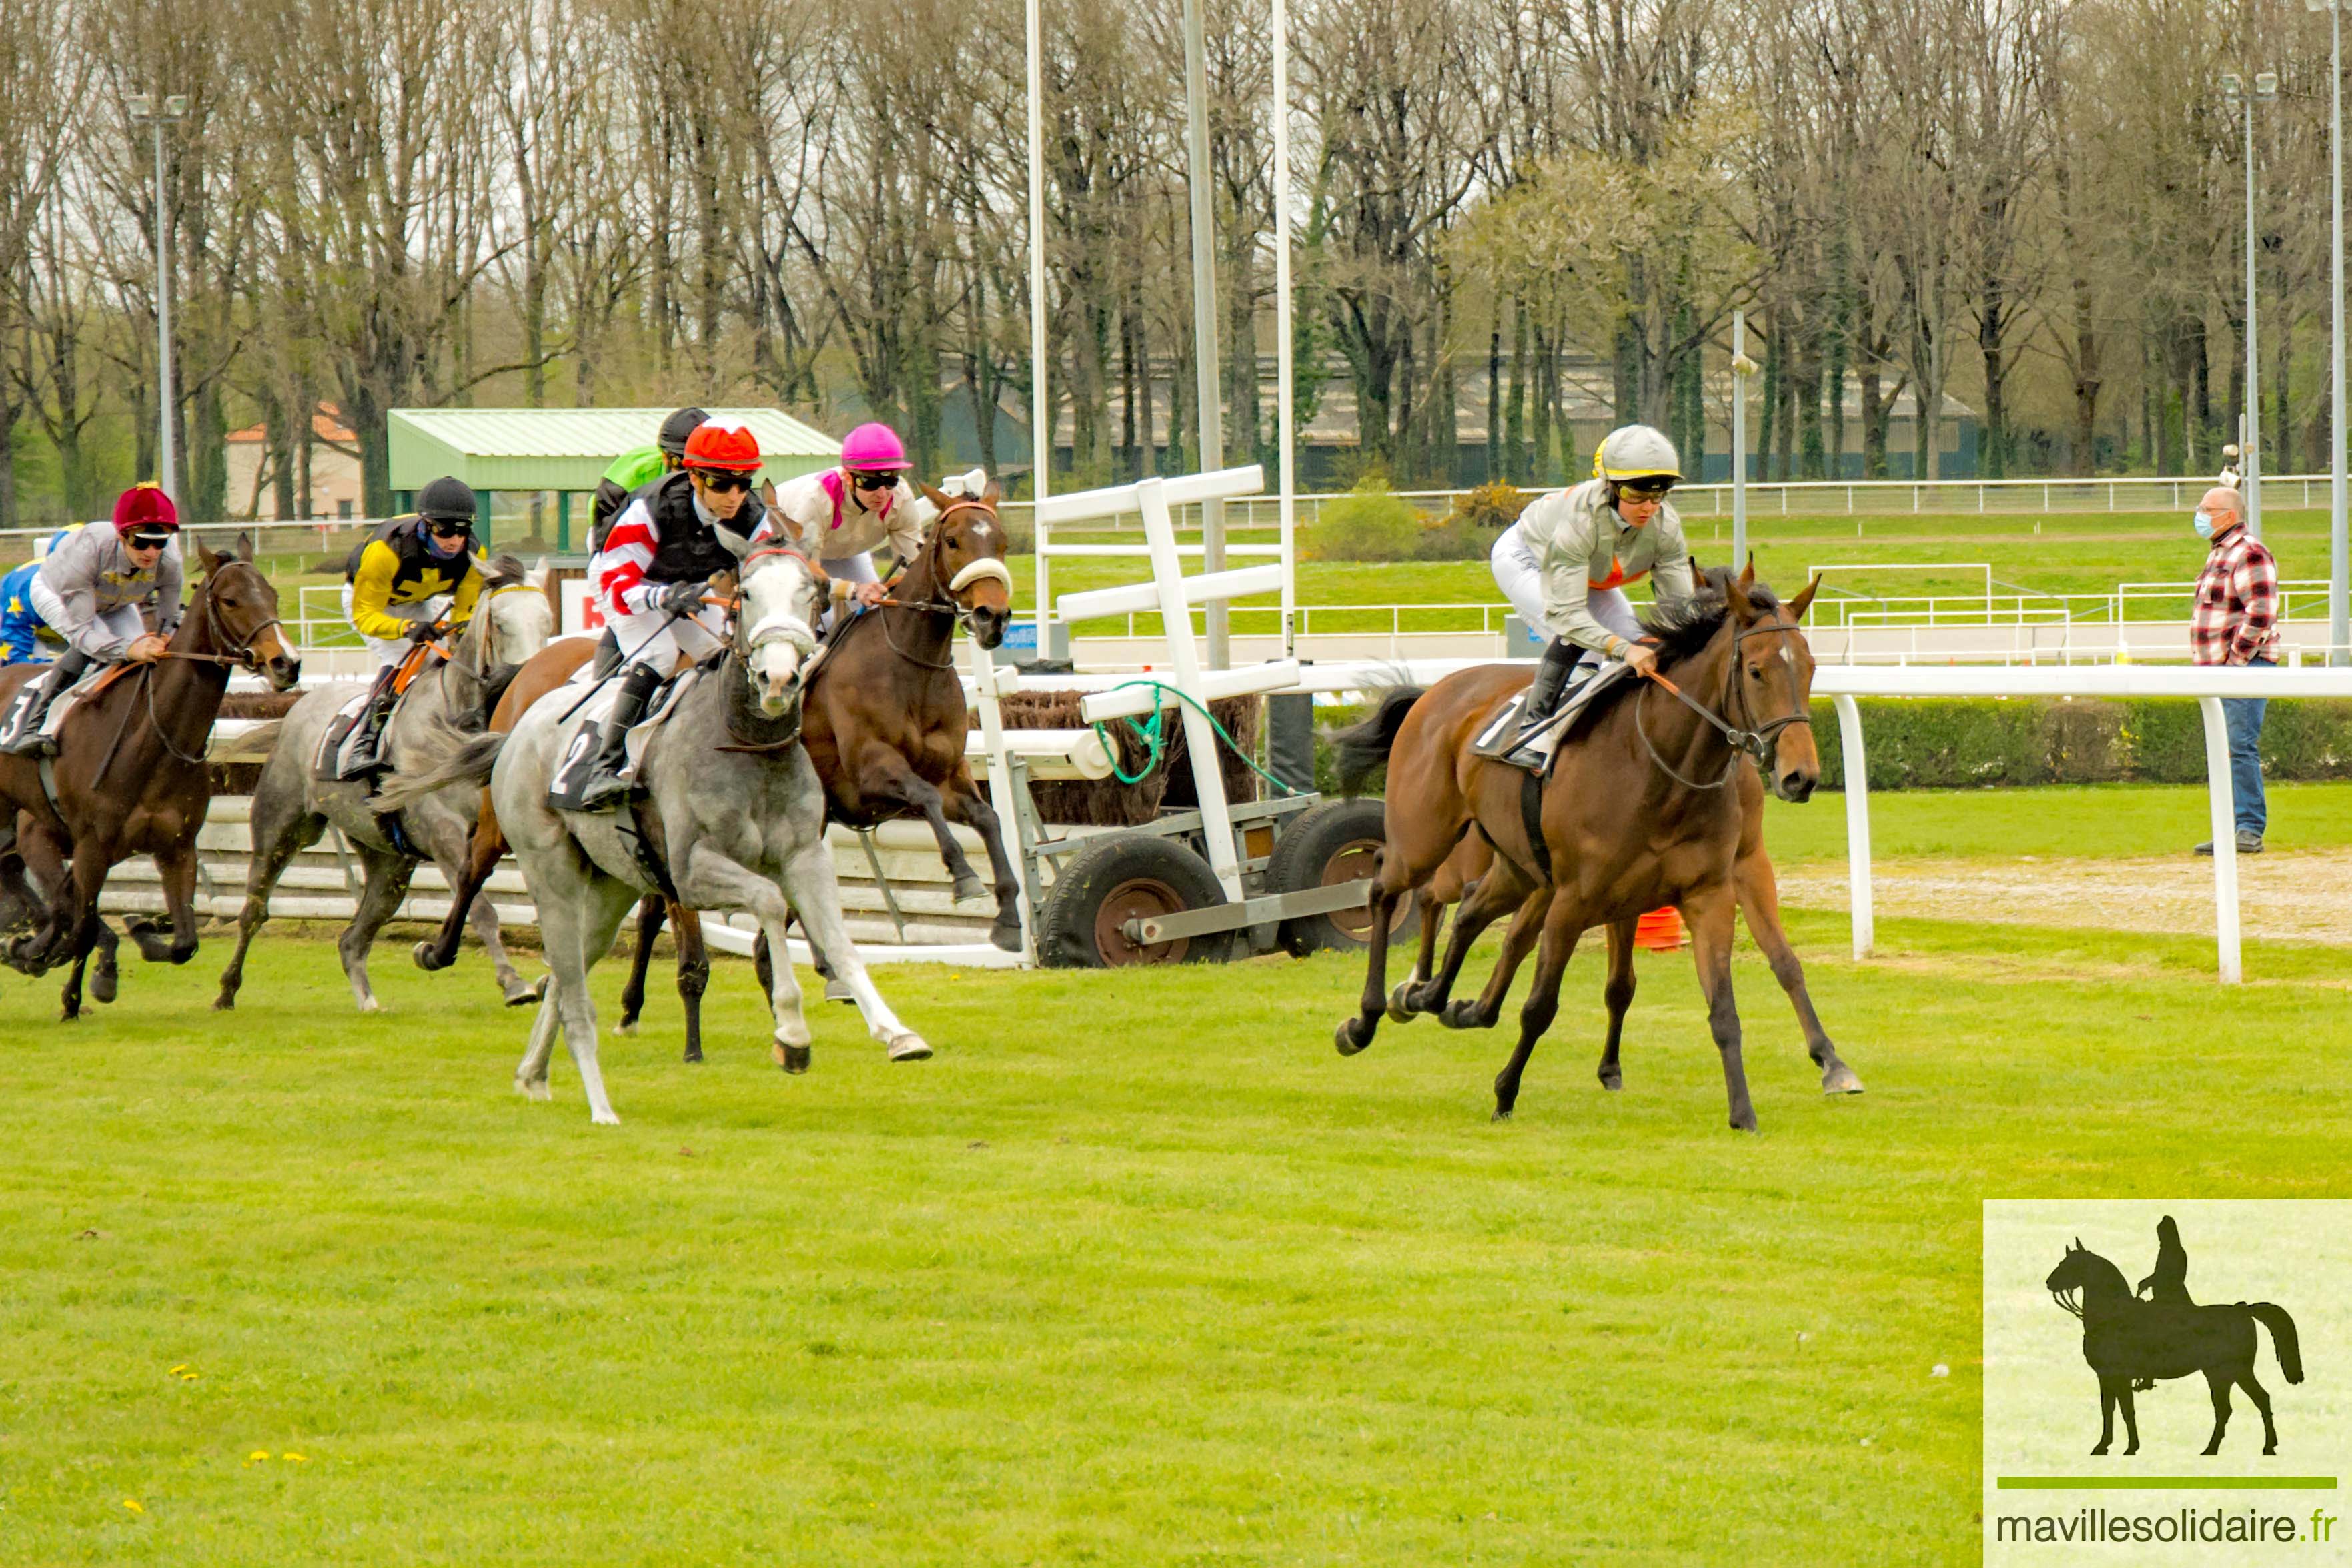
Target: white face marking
[{"x": 1789, "y": 657}]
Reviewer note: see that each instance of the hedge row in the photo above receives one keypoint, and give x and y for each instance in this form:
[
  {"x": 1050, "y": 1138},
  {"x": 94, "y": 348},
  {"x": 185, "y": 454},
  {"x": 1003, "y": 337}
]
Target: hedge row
[{"x": 1918, "y": 743}]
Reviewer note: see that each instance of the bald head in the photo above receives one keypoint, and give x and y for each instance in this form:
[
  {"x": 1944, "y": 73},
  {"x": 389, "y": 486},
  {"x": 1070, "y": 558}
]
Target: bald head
[{"x": 2219, "y": 502}]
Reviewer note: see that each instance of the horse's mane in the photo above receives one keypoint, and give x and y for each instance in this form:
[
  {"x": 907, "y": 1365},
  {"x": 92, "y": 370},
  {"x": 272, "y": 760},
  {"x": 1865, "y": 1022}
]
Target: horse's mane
[
  {"x": 1682, "y": 628},
  {"x": 2104, "y": 1267}
]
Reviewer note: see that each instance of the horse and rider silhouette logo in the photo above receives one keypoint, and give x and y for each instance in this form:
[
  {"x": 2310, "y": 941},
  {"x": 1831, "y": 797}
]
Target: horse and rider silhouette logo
[{"x": 2132, "y": 1339}]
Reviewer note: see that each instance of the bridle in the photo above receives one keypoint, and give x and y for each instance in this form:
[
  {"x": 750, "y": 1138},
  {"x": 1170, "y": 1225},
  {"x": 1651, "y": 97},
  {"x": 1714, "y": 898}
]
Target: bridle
[
  {"x": 745, "y": 640},
  {"x": 933, "y": 546},
  {"x": 240, "y": 654},
  {"x": 1747, "y": 738}
]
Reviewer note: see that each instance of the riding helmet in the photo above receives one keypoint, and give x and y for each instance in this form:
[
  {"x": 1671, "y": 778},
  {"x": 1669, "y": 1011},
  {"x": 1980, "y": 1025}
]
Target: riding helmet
[
  {"x": 447, "y": 498},
  {"x": 1636, "y": 452},
  {"x": 677, "y": 427},
  {"x": 145, "y": 508},
  {"x": 726, "y": 444}
]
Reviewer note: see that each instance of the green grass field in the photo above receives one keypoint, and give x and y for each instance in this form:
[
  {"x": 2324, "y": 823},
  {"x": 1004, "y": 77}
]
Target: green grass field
[{"x": 1137, "y": 1270}]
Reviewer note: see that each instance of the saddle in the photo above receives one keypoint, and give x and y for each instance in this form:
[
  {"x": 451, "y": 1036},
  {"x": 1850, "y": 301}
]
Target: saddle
[
  {"x": 94, "y": 679},
  {"x": 352, "y": 748},
  {"x": 1505, "y": 739},
  {"x": 584, "y": 732}
]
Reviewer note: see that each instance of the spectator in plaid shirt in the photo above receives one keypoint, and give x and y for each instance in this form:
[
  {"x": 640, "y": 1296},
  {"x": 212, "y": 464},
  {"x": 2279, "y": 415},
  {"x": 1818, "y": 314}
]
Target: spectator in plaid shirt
[{"x": 2236, "y": 623}]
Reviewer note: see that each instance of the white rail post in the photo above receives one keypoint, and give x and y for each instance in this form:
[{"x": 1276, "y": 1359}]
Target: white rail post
[
  {"x": 2221, "y": 803},
  {"x": 985, "y": 678},
  {"x": 1856, "y": 765},
  {"x": 1199, "y": 733}
]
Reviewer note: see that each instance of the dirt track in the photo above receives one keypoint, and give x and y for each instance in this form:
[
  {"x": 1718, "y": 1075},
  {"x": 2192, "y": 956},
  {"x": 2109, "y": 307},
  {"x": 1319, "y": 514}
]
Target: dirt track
[{"x": 2304, "y": 896}]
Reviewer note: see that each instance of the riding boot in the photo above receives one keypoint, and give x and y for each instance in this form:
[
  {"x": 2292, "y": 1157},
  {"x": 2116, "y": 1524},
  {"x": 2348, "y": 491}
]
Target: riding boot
[
  {"x": 638, "y": 684},
  {"x": 24, "y": 738},
  {"x": 1559, "y": 656},
  {"x": 367, "y": 751}
]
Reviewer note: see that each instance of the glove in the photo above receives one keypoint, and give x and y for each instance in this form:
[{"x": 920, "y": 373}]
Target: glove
[
  {"x": 684, "y": 597},
  {"x": 421, "y": 631}
]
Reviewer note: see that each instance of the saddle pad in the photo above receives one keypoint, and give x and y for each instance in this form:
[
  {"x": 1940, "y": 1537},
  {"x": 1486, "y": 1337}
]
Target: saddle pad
[
  {"x": 1504, "y": 740},
  {"x": 335, "y": 743},
  {"x": 93, "y": 680},
  {"x": 586, "y": 723}
]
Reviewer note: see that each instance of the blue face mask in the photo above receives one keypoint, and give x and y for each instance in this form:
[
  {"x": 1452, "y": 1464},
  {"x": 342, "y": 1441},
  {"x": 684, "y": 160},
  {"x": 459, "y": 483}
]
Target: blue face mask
[{"x": 2203, "y": 525}]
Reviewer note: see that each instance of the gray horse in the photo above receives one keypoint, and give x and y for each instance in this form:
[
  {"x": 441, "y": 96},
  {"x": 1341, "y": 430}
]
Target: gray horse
[
  {"x": 291, "y": 809},
  {"x": 732, "y": 819}
]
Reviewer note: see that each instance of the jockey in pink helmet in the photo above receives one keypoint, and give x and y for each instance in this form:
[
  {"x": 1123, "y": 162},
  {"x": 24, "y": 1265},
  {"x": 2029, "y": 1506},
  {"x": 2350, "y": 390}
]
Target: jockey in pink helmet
[{"x": 842, "y": 515}]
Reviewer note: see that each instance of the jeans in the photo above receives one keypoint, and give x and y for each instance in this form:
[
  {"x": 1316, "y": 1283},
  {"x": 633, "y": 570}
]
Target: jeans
[{"x": 2243, "y": 719}]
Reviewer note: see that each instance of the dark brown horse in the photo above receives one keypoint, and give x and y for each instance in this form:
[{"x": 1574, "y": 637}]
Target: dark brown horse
[
  {"x": 882, "y": 722},
  {"x": 1752, "y": 877},
  {"x": 131, "y": 777},
  {"x": 1637, "y": 812}
]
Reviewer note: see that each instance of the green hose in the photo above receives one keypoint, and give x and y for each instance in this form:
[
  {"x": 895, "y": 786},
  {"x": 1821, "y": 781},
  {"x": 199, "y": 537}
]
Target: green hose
[{"x": 1154, "y": 732}]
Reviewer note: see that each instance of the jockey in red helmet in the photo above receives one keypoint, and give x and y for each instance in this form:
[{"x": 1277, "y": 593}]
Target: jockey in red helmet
[{"x": 89, "y": 589}]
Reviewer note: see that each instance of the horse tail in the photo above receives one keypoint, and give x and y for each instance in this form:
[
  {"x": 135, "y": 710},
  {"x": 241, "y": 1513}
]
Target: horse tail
[
  {"x": 1363, "y": 748},
  {"x": 443, "y": 756},
  {"x": 2273, "y": 1317}
]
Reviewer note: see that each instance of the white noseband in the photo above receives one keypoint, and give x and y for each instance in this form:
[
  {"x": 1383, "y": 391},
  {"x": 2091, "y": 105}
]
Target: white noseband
[{"x": 976, "y": 570}]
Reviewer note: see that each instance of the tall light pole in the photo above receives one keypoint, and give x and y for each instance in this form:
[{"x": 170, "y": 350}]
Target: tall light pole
[
  {"x": 2251, "y": 444},
  {"x": 1207, "y": 400},
  {"x": 2339, "y": 613},
  {"x": 145, "y": 111}
]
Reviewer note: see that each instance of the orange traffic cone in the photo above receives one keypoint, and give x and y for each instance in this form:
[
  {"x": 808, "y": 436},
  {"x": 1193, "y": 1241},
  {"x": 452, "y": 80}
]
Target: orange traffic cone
[{"x": 1661, "y": 931}]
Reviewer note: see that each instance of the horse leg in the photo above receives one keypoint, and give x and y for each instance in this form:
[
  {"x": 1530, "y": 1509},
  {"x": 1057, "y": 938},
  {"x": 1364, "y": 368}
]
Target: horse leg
[
  {"x": 1618, "y": 995},
  {"x": 44, "y": 853},
  {"x": 1708, "y": 911},
  {"x": 2107, "y": 1415},
  {"x": 964, "y": 805},
  {"x": 815, "y": 895},
  {"x": 105, "y": 975},
  {"x": 2262, "y": 1398},
  {"x": 2123, "y": 1403},
  {"x": 1759, "y": 902},
  {"x": 2217, "y": 1380},
  {"x": 530, "y": 1073},
  {"x": 1519, "y": 940},
  {"x": 578, "y": 924},
  {"x": 387, "y": 884},
  {"x": 178, "y": 864},
  {"x": 693, "y": 975},
  {"x": 1563, "y": 923},
  {"x": 281, "y": 829},
  {"x": 451, "y": 849},
  {"x": 653, "y": 910},
  {"x": 91, "y": 865},
  {"x": 1430, "y": 904},
  {"x": 482, "y": 853},
  {"x": 1496, "y": 894}
]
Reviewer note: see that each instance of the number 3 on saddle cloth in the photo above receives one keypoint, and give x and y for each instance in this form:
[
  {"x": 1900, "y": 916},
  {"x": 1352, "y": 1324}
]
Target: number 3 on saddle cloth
[{"x": 352, "y": 748}]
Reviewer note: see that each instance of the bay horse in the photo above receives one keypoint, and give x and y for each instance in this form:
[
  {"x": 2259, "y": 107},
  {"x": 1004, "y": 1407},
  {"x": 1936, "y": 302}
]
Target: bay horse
[
  {"x": 131, "y": 775},
  {"x": 1634, "y": 815},
  {"x": 291, "y": 806},
  {"x": 732, "y": 819},
  {"x": 1757, "y": 887},
  {"x": 883, "y": 721}
]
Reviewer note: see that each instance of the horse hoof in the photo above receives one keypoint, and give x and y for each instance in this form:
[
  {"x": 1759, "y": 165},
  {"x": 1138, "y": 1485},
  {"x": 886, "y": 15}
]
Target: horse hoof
[
  {"x": 792, "y": 1058},
  {"x": 627, "y": 1026},
  {"x": 1462, "y": 1014},
  {"x": 693, "y": 1053},
  {"x": 1502, "y": 1114},
  {"x": 1841, "y": 1080},
  {"x": 533, "y": 1089},
  {"x": 604, "y": 1118},
  {"x": 370, "y": 1005},
  {"x": 909, "y": 1047},
  {"x": 1400, "y": 1009},
  {"x": 1345, "y": 1038},
  {"x": 1744, "y": 1123},
  {"x": 103, "y": 985},
  {"x": 839, "y": 991},
  {"x": 970, "y": 890},
  {"x": 1611, "y": 1080},
  {"x": 225, "y": 1003},
  {"x": 1005, "y": 938},
  {"x": 427, "y": 958},
  {"x": 521, "y": 996}
]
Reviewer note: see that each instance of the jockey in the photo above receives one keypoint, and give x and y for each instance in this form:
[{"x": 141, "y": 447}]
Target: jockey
[
  {"x": 634, "y": 470},
  {"x": 842, "y": 515},
  {"x": 1564, "y": 563},
  {"x": 397, "y": 583},
  {"x": 90, "y": 589},
  {"x": 651, "y": 575}
]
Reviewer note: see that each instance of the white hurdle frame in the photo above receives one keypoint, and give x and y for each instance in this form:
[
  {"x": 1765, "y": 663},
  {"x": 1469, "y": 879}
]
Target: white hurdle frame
[{"x": 1174, "y": 597}]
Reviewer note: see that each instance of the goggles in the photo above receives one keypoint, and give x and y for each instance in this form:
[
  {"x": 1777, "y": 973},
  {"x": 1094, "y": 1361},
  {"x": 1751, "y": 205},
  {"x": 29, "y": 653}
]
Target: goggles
[
  {"x": 138, "y": 540},
  {"x": 885, "y": 480},
  {"x": 448, "y": 527},
  {"x": 1645, "y": 489},
  {"x": 722, "y": 481}
]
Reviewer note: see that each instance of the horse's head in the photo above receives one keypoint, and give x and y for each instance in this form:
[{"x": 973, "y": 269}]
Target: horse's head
[
  {"x": 1772, "y": 680},
  {"x": 240, "y": 613},
  {"x": 783, "y": 594},
  {"x": 967, "y": 554},
  {"x": 2080, "y": 1273},
  {"x": 520, "y": 618}
]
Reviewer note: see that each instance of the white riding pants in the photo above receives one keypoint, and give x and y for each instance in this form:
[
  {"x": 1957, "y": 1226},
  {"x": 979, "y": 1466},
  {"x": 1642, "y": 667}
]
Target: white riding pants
[
  {"x": 392, "y": 650},
  {"x": 112, "y": 631},
  {"x": 1517, "y": 574},
  {"x": 645, "y": 640}
]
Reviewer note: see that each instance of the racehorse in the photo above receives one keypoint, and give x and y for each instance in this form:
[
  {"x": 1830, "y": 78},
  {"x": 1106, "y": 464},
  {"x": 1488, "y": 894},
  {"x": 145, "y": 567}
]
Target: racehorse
[
  {"x": 2125, "y": 1338},
  {"x": 131, "y": 775},
  {"x": 291, "y": 807},
  {"x": 1753, "y": 880},
  {"x": 1635, "y": 814},
  {"x": 882, "y": 722},
  {"x": 733, "y": 818}
]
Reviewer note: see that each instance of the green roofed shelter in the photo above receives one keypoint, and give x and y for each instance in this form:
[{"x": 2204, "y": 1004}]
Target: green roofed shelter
[{"x": 564, "y": 451}]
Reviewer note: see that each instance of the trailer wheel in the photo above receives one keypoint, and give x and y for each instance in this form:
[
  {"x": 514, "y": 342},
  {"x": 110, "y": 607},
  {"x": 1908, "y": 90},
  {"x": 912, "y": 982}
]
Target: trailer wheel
[
  {"x": 1121, "y": 877},
  {"x": 1337, "y": 842}
]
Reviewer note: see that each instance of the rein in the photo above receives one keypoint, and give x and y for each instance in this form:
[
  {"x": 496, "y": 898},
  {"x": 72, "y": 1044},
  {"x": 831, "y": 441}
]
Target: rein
[
  {"x": 947, "y": 606},
  {"x": 1755, "y": 742}
]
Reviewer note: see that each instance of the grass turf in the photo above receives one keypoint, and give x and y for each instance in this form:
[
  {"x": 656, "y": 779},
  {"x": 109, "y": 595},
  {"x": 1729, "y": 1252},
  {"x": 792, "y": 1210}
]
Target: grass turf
[{"x": 1137, "y": 1270}]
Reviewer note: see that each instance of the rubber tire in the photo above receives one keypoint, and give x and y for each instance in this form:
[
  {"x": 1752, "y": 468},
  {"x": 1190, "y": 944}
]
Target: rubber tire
[
  {"x": 1067, "y": 936},
  {"x": 1302, "y": 858}
]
